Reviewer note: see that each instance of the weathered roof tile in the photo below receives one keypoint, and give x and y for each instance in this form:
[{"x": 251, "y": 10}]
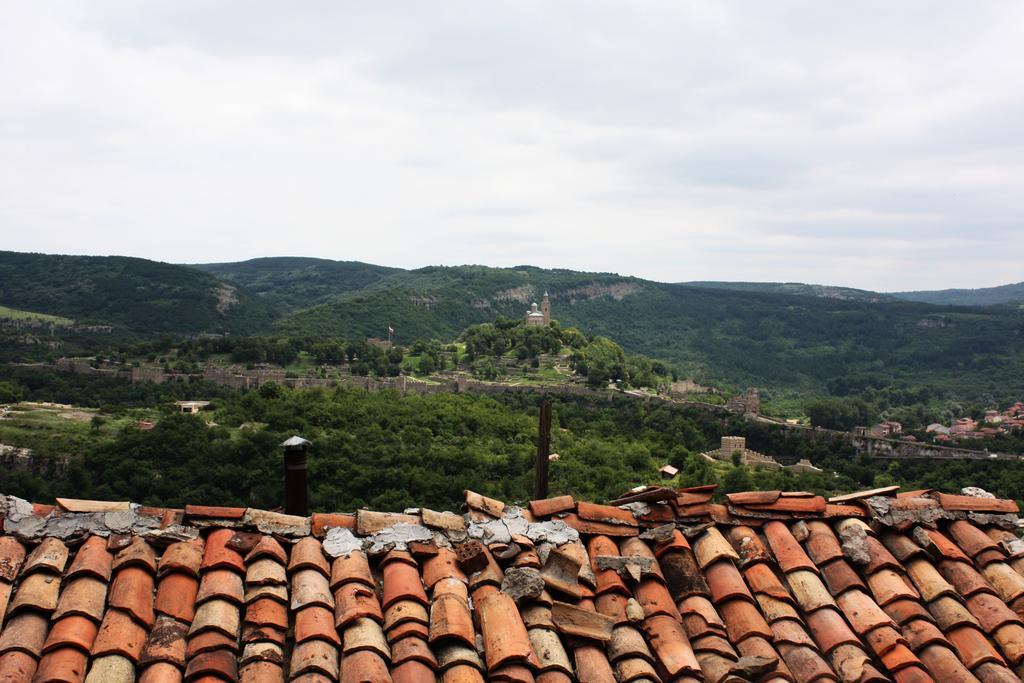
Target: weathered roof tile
[{"x": 788, "y": 577}]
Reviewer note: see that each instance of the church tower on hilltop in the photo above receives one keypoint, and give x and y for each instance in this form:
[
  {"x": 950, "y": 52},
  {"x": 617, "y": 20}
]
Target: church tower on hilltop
[{"x": 539, "y": 316}]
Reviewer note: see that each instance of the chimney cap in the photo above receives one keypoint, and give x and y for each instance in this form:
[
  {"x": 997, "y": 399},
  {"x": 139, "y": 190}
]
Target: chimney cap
[{"x": 295, "y": 442}]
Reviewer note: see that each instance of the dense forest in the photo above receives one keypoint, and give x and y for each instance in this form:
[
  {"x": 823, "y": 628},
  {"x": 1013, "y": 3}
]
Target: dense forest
[
  {"x": 136, "y": 296},
  {"x": 386, "y": 451},
  {"x": 796, "y": 343},
  {"x": 293, "y": 283}
]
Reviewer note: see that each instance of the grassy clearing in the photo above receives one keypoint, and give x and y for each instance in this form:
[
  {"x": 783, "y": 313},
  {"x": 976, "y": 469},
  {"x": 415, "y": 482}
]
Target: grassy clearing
[
  {"x": 15, "y": 314},
  {"x": 61, "y": 431}
]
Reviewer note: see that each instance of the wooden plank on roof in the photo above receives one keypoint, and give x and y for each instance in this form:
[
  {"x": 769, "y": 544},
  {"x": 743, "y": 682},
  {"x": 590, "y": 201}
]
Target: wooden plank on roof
[
  {"x": 860, "y": 495},
  {"x": 78, "y": 505}
]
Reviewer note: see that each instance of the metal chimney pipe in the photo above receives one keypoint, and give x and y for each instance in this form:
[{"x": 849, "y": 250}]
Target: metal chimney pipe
[{"x": 296, "y": 476}]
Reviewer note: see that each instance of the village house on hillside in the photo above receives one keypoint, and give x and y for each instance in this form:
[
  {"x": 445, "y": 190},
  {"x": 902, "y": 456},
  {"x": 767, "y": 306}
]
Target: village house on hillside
[{"x": 993, "y": 424}]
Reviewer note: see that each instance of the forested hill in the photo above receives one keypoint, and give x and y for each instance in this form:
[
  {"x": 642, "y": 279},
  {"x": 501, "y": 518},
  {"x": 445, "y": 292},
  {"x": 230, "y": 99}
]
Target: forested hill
[
  {"x": 985, "y": 296},
  {"x": 739, "y": 337},
  {"x": 775, "y": 340},
  {"x": 292, "y": 282},
  {"x": 136, "y": 296},
  {"x": 798, "y": 288}
]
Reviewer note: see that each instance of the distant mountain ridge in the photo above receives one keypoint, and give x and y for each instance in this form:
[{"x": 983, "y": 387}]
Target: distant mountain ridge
[
  {"x": 779, "y": 336},
  {"x": 983, "y": 296},
  {"x": 294, "y": 282},
  {"x": 136, "y": 296},
  {"x": 799, "y": 289}
]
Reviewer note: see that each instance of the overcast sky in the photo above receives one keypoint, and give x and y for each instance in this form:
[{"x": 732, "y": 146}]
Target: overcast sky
[{"x": 869, "y": 144}]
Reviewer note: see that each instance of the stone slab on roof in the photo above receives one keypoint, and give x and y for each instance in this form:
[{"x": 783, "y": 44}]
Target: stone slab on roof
[{"x": 772, "y": 586}]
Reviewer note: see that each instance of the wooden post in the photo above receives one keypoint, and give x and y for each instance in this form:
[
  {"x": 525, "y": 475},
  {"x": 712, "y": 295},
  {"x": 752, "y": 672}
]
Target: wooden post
[{"x": 540, "y": 486}]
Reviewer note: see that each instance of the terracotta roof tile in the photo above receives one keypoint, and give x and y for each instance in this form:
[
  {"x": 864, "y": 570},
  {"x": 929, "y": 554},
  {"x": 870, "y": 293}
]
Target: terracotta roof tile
[
  {"x": 991, "y": 612},
  {"x": 408, "y": 629},
  {"x": 315, "y": 622},
  {"x": 787, "y": 550},
  {"x": 462, "y": 673},
  {"x": 66, "y": 665},
  {"x": 121, "y": 635},
  {"x": 17, "y": 666},
  {"x": 830, "y": 630},
  {"x": 1010, "y": 639},
  {"x": 92, "y": 559},
  {"x": 307, "y": 553},
  {"x": 71, "y": 631},
  {"x": 986, "y": 557},
  {"x": 354, "y": 600},
  {"x": 1008, "y": 583},
  {"x": 905, "y": 611},
  {"x": 84, "y": 596},
  {"x": 351, "y": 567},
  {"x": 748, "y": 545},
  {"x": 655, "y": 599},
  {"x": 809, "y": 591},
  {"x": 267, "y": 612},
  {"x": 711, "y": 546},
  {"x": 218, "y": 555},
  {"x": 862, "y": 612},
  {"x": 939, "y": 546},
  {"x": 220, "y": 663},
  {"x": 404, "y": 611},
  {"x": 725, "y": 581},
  {"x": 166, "y": 643},
  {"x": 138, "y": 553},
  {"x": 261, "y": 572},
  {"x": 814, "y": 614},
  {"x": 184, "y": 556},
  {"x": 742, "y": 620},
  {"x": 413, "y": 671},
  {"x": 964, "y": 578},
  {"x": 12, "y": 555},
  {"x": 944, "y": 665},
  {"x": 310, "y": 587},
  {"x": 901, "y": 546},
  {"x": 322, "y": 521},
  {"x": 589, "y": 527},
  {"x": 633, "y": 669},
  {"x": 972, "y": 646},
  {"x": 840, "y": 577},
  {"x": 216, "y": 615},
  {"x": 551, "y": 506},
  {"x": 38, "y": 591},
  {"x": 672, "y": 647},
  {"x": 887, "y": 586},
  {"x": 450, "y": 618},
  {"x": 627, "y": 641},
  {"x": 176, "y": 596},
  {"x": 973, "y": 504},
  {"x": 822, "y": 544},
  {"x": 806, "y": 660},
  {"x": 682, "y": 574},
  {"x": 950, "y": 613},
  {"x": 25, "y": 632},
  {"x": 51, "y": 555},
  {"x": 132, "y": 591},
  {"x": 880, "y": 556},
  {"x": 402, "y": 582}
]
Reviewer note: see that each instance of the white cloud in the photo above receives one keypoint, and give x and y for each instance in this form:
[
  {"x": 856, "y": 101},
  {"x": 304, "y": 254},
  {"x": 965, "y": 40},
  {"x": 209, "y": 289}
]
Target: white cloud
[{"x": 875, "y": 145}]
